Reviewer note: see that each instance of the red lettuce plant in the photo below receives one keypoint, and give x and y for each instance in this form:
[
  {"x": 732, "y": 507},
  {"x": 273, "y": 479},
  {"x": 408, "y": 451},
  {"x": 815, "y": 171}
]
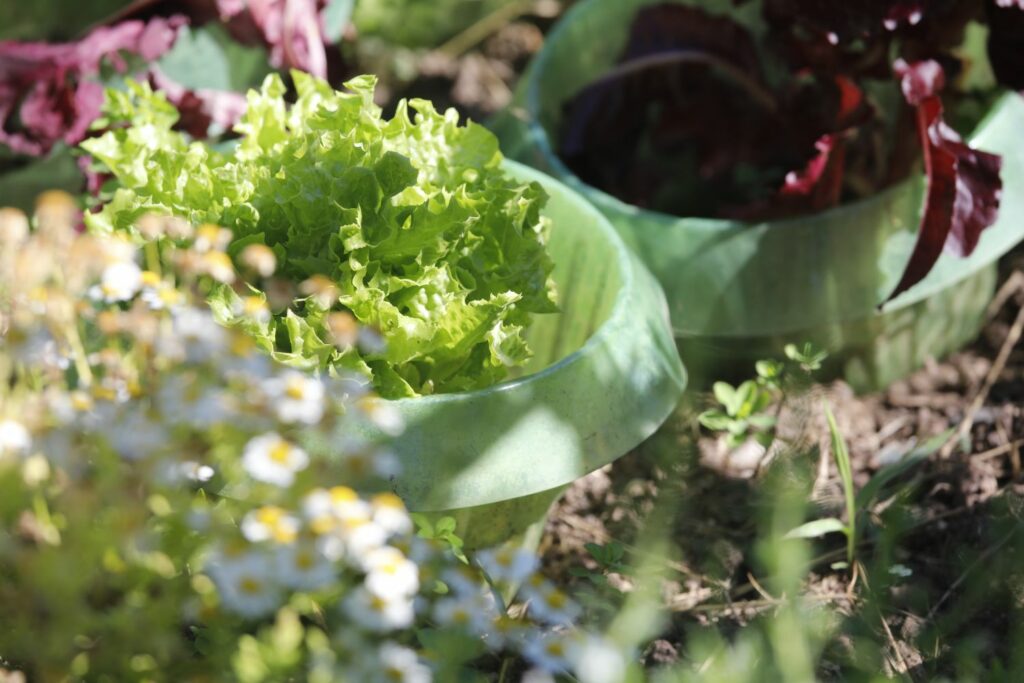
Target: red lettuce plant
[
  {"x": 295, "y": 32},
  {"x": 49, "y": 92},
  {"x": 788, "y": 107}
]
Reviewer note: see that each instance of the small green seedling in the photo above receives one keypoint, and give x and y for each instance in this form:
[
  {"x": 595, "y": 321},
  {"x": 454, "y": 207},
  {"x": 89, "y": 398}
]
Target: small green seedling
[
  {"x": 601, "y": 600},
  {"x": 742, "y": 413},
  {"x": 609, "y": 558},
  {"x": 807, "y": 356},
  {"x": 862, "y": 502},
  {"x": 441, "y": 530}
]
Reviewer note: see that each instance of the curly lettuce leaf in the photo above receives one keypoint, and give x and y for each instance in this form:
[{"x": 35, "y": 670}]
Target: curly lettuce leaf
[{"x": 424, "y": 236}]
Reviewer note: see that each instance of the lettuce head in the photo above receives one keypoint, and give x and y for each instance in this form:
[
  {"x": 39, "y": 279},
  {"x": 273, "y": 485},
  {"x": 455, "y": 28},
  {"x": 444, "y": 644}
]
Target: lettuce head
[{"x": 413, "y": 220}]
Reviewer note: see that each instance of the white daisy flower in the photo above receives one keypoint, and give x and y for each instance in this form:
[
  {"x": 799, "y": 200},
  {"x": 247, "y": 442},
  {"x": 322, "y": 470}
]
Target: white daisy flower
[
  {"x": 390, "y": 514},
  {"x": 259, "y": 258},
  {"x": 119, "y": 282},
  {"x": 378, "y": 613},
  {"x": 503, "y": 631},
  {"x": 159, "y": 295},
  {"x": 549, "y": 651},
  {"x": 296, "y": 397},
  {"x": 596, "y": 660},
  {"x": 472, "y": 614},
  {"x": 302, "y": 566},
  {"x": 269, "y": 523},
  {"x": 383, "y": 415},
  {"x": 401, "y": 665},
  {"x": 507, "y": 563},
  {"x": 270, "y": 458},
  {"x": 245, "y": 583},
  {"x": 389, "y": 572},
  {"x": 343, "y": 522},
  {"x": 252, "y": 307},
  {"x": 548, "y": 604},
  {"x": 14, "y": 438},
  {"x": 325, "y": 507},
  {"x": 463, "y": 580}
]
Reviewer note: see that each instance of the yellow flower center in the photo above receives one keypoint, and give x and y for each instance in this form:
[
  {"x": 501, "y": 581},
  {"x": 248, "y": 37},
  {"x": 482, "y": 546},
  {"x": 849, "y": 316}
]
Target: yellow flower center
[
  {"x": 388, "y": 500},
  {"x": 304, "y": 560},
  {"x": 241, "y": 345},
  {"x": 281, "y": 452},
  {"x": 343, "y": 494},
  {"x": 295, "y": 389},
  {"x": 557, "y": 599},
  {"x": 284, "y": 533},
  {"x": 555, "y": 649},
  {"x": 250, "y": 586},
  {"x": 322, "y": 525},
  {"x": 208, "y": 232},
  {"x": 253, "y": 305}
]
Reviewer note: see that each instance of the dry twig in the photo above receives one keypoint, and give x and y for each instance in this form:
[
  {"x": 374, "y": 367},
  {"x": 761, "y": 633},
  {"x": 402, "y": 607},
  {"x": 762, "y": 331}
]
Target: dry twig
[{"x": 1012, "y": 337}]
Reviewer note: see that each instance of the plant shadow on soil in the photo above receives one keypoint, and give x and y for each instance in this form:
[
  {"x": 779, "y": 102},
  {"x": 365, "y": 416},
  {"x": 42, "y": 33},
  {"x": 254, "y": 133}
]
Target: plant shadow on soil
[
  {"x": 941, "y": 553},
  {"x": 940, "y": 582}
]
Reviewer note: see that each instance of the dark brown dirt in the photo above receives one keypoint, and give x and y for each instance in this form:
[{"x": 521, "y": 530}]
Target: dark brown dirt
[
  {"x": 939, "y": 553},
  {"x": 940, "y": 547}
]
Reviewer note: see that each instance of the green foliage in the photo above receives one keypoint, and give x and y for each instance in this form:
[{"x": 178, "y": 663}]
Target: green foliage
[
  {"x": 742, "y": 413},
  {"x": 820, "y": 527},
  {"x": 168, "y": 507},
  {"x": 207, "y": 57},
  {"x": 442, "y": 530},
  {"x": 808, "y": 357},
  {"x": 418, "y": 24},
  {"x": 858, "y": 503},
  {"x": 52, "y": 19},
  {"x": 609, "y": 557},
  {"x": 410, "y": 223}
]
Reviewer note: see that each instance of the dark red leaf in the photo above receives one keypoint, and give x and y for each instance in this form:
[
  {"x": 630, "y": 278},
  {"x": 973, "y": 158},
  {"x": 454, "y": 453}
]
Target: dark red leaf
[
  {"x": 920, "y": 81},
  {"x": 821, "y": 181},
  {"x": 292, "y": 30},
  {"x": 48, "y": 92},
  {"x": 685, "y": 123},
  {"x": 963, "y": 184}
]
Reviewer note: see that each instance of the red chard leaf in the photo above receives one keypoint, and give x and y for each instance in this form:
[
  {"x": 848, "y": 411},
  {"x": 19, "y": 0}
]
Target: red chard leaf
[
  {"x": 963, "y": 184},
  {"x": 48, "y": 91},
  {"x": 291, "y": 30},
  {"x": 820, "y": 183}
]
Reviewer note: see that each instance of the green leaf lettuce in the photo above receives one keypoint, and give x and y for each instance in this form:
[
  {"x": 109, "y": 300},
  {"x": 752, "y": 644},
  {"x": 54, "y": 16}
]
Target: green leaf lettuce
[{"x": 413, "y": 219}]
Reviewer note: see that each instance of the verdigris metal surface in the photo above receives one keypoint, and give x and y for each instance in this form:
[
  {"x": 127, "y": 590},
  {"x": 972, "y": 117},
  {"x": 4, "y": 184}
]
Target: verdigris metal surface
[
  {"x": 605, "y": 375},
  {"x": 750, "y": 287}
]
